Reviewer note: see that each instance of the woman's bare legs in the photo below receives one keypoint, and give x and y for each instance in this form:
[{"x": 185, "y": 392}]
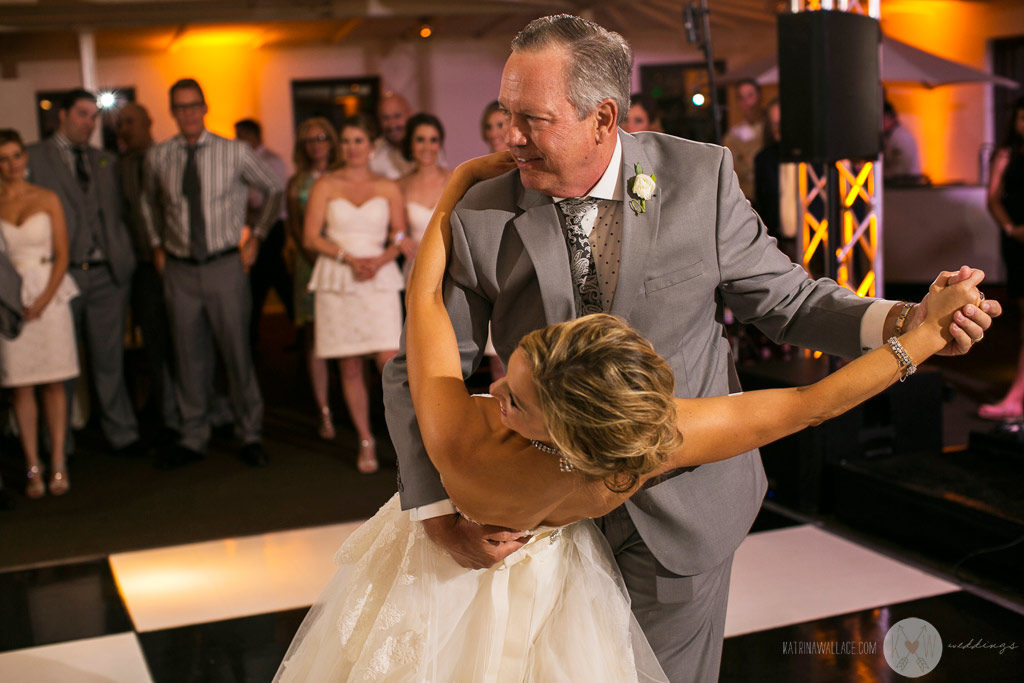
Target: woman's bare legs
[
  {"x": 353, "y": 384},
  {"x": 55, "y": 406},
  {"x": 26, "y": 412},
  {"x": 318, "y": 378},
  {"x": 1012, "y": 406}
]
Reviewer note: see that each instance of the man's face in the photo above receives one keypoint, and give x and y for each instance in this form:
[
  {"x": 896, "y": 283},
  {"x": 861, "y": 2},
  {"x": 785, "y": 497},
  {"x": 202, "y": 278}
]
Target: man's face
[
  {"x": 557, "y": 153},
  {"x": 393, "y": 114},
  {"x": 133, "y": 128},
  {"x": 188, "y": 110},
  {"x": 79, "y": 122}
]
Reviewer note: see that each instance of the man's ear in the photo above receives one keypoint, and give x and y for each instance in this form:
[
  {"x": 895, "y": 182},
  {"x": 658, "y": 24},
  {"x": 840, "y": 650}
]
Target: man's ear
[{"x": 607, "y": 119}]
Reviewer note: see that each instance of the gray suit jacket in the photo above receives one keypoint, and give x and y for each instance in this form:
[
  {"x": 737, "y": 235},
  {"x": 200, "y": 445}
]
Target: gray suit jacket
[
  {"x": 10, "y": 296},
  {"x": 697, "y": 248},
  {"x": 47, "y": 168}
]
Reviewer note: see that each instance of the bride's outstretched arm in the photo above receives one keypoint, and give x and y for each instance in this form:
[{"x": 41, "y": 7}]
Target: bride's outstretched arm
[
  {"x": 449, "y": 425},
  {"x": 719, "y": 427}
]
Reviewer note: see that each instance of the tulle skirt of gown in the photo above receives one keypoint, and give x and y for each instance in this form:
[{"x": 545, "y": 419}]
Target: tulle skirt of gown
[{"x": 400, "y": 609}]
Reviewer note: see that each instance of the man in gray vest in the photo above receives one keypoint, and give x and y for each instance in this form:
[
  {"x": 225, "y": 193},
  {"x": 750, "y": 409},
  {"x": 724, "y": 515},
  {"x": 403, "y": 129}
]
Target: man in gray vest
[
  {"x": 665, "y": 255},
  {"x": 102, "y": 262}
]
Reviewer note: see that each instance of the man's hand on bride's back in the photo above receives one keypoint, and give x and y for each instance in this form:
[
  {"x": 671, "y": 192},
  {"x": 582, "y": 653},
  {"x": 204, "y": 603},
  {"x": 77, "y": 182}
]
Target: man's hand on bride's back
[{"x": 473, "y": 545}]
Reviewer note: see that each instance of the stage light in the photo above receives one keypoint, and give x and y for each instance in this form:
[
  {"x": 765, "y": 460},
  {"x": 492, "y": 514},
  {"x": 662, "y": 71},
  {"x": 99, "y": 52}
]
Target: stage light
[
  {"x": 106, "y": 100},
  {"x": 425, "y": 31},
  {"x": 698, "y": 99},
  {"x": 45, "y": 105}
]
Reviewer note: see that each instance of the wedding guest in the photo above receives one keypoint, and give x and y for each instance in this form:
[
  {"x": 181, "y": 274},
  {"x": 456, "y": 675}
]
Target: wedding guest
[
  {"x": 269, "y": 271},
  {"x": 424, "y": 138},
  {"x": 203, "y": 181},
  {"x": 744, "y": 138},
  {"x": 316, "y": 153},
  {"x": 44, "y": 355},
  {"x": 386, "y": 159},
  {"x": 101, "y": 258},
  {"x": 899, "y": 148},
  {"x": 494, "y": 127},
  {"x": 1006, "y": 204},
  {"x": 149, "y": 310},
  {"x": 642, "y": 114},
  {"x": 355, "y": 223}
]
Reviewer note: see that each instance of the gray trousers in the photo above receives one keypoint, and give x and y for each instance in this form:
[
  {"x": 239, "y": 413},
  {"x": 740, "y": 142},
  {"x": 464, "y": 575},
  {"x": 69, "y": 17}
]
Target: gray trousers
[
  {"x": 209, "y": 305},
  {"x": 683, "y": 617},
  {"x": 100, "y": 310}
]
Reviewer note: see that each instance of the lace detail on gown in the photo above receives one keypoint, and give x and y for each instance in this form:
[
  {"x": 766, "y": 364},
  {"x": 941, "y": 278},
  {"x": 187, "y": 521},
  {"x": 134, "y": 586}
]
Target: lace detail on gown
[{"x": 400, "y": 609}]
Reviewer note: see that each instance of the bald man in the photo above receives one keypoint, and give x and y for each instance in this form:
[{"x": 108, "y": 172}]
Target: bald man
[{"x": 387, "y": 159}]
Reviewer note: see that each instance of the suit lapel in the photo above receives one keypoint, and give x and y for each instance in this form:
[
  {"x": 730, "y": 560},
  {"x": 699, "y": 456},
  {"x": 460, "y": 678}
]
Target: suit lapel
[
  {"x": 539, "y": 229},
  {"x": 639, "y": 231},
  {"x": 61, "y": 171}
]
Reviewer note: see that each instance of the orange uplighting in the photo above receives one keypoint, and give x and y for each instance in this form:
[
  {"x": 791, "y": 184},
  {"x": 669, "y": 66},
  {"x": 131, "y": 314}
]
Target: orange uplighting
[
  {"x": 938, "y": 26},
  {"x": 425, "y": 31},
  {"x": 236, "y": 36}
]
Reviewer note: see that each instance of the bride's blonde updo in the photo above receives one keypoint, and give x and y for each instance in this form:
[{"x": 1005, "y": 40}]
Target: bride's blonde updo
[{"x": 606, "y": 395}]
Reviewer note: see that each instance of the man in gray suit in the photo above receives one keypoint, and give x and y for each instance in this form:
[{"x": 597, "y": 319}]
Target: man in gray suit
[
  {"x": 102, "y": 262},
  {"x": 667, "y": 262}
]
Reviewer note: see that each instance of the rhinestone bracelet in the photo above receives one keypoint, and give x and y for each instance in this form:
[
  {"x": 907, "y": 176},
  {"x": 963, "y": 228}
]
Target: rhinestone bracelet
[{"x": 907, "y": 367}]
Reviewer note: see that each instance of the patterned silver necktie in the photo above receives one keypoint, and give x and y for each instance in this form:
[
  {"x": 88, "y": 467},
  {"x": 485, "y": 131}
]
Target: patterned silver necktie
[{"x": 581, "y": 256}]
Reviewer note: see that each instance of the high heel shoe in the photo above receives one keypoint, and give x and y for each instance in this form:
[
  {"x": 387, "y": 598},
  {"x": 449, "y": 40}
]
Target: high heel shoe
[
  {"x": 325, "y": 428},
  {"x": 1004, "y": 411},
  {"x": 59, "y": 484},
  {"x": 34, "y": 487},
  {"x": 367, "y": 463}
]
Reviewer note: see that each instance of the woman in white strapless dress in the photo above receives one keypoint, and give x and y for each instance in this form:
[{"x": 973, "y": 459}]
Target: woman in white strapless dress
[
  {"x": 584, "y": 418},
  {"x": 354, "y": 222},
  {"x": 44, "y": 353}
]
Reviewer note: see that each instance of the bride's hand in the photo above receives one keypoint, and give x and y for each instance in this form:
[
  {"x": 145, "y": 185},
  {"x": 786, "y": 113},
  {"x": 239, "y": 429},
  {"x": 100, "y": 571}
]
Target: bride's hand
[
  {"x": 945, "y": 299},
  {"x": 489, "y": 166}
]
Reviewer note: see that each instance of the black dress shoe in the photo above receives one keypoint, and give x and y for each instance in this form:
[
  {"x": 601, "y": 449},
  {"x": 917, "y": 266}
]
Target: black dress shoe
[
  {"x": 253, "y": 454},
  {"x": 178, "y": 456},
  {"x": 136, "y": 449}
]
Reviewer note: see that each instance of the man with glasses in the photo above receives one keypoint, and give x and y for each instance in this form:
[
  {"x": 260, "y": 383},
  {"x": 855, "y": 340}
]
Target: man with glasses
[{"x": 201, "y": 181}]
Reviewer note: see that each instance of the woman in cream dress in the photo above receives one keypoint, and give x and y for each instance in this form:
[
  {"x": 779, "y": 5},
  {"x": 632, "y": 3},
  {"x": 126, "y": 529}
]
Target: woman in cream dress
[
  {"x": 355, "y": 220},
  {"x": 424, "y": 136},
  {"x": 44, "y": 354}
]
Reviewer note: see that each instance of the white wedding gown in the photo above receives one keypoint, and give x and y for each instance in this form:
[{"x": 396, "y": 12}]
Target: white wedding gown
[{"x": 400, "y": 609}]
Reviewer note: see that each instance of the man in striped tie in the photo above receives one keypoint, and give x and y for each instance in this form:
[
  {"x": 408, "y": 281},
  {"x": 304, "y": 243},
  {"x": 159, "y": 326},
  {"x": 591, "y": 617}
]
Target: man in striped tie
[{"x": 201, "y": 182}]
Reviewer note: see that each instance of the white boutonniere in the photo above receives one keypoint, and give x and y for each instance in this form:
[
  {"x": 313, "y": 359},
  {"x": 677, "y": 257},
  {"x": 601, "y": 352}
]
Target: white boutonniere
[{"x": 642, "y": 189}]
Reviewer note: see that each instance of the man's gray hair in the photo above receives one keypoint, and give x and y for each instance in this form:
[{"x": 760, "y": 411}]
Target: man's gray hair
[{"x": 600, "y": 61}]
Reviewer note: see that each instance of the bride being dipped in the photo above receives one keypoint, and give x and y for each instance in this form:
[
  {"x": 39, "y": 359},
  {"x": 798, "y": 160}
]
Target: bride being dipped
[{"x": 585, "y": 417}]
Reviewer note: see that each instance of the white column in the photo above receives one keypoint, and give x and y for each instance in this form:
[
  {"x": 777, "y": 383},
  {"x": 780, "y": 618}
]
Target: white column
[{"x": 87, "y": 57}]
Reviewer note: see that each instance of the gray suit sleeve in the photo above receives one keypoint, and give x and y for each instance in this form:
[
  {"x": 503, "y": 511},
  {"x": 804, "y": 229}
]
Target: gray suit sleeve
[
  {"x": 763, "y": 287},
  {"x": 418, "y": 482}
]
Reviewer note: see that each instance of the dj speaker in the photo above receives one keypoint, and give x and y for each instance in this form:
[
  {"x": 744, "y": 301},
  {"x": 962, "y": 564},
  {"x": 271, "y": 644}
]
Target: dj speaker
[{"x": 830, "y": 93}]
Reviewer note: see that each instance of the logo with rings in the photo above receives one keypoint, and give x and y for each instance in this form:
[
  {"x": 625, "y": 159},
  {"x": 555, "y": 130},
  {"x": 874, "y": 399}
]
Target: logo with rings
[{"x": 912, "y": 647}]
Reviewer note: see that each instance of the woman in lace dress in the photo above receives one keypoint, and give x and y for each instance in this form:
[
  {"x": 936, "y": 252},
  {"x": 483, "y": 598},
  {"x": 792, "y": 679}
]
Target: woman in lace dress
[
  {"x": 584, "y": 418},
  {"x": 43, "y": 355},
  {"x": 424, "y": 137},
  {"x": 355, "y": 220},
  {"x": 316, "y": 152}
]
